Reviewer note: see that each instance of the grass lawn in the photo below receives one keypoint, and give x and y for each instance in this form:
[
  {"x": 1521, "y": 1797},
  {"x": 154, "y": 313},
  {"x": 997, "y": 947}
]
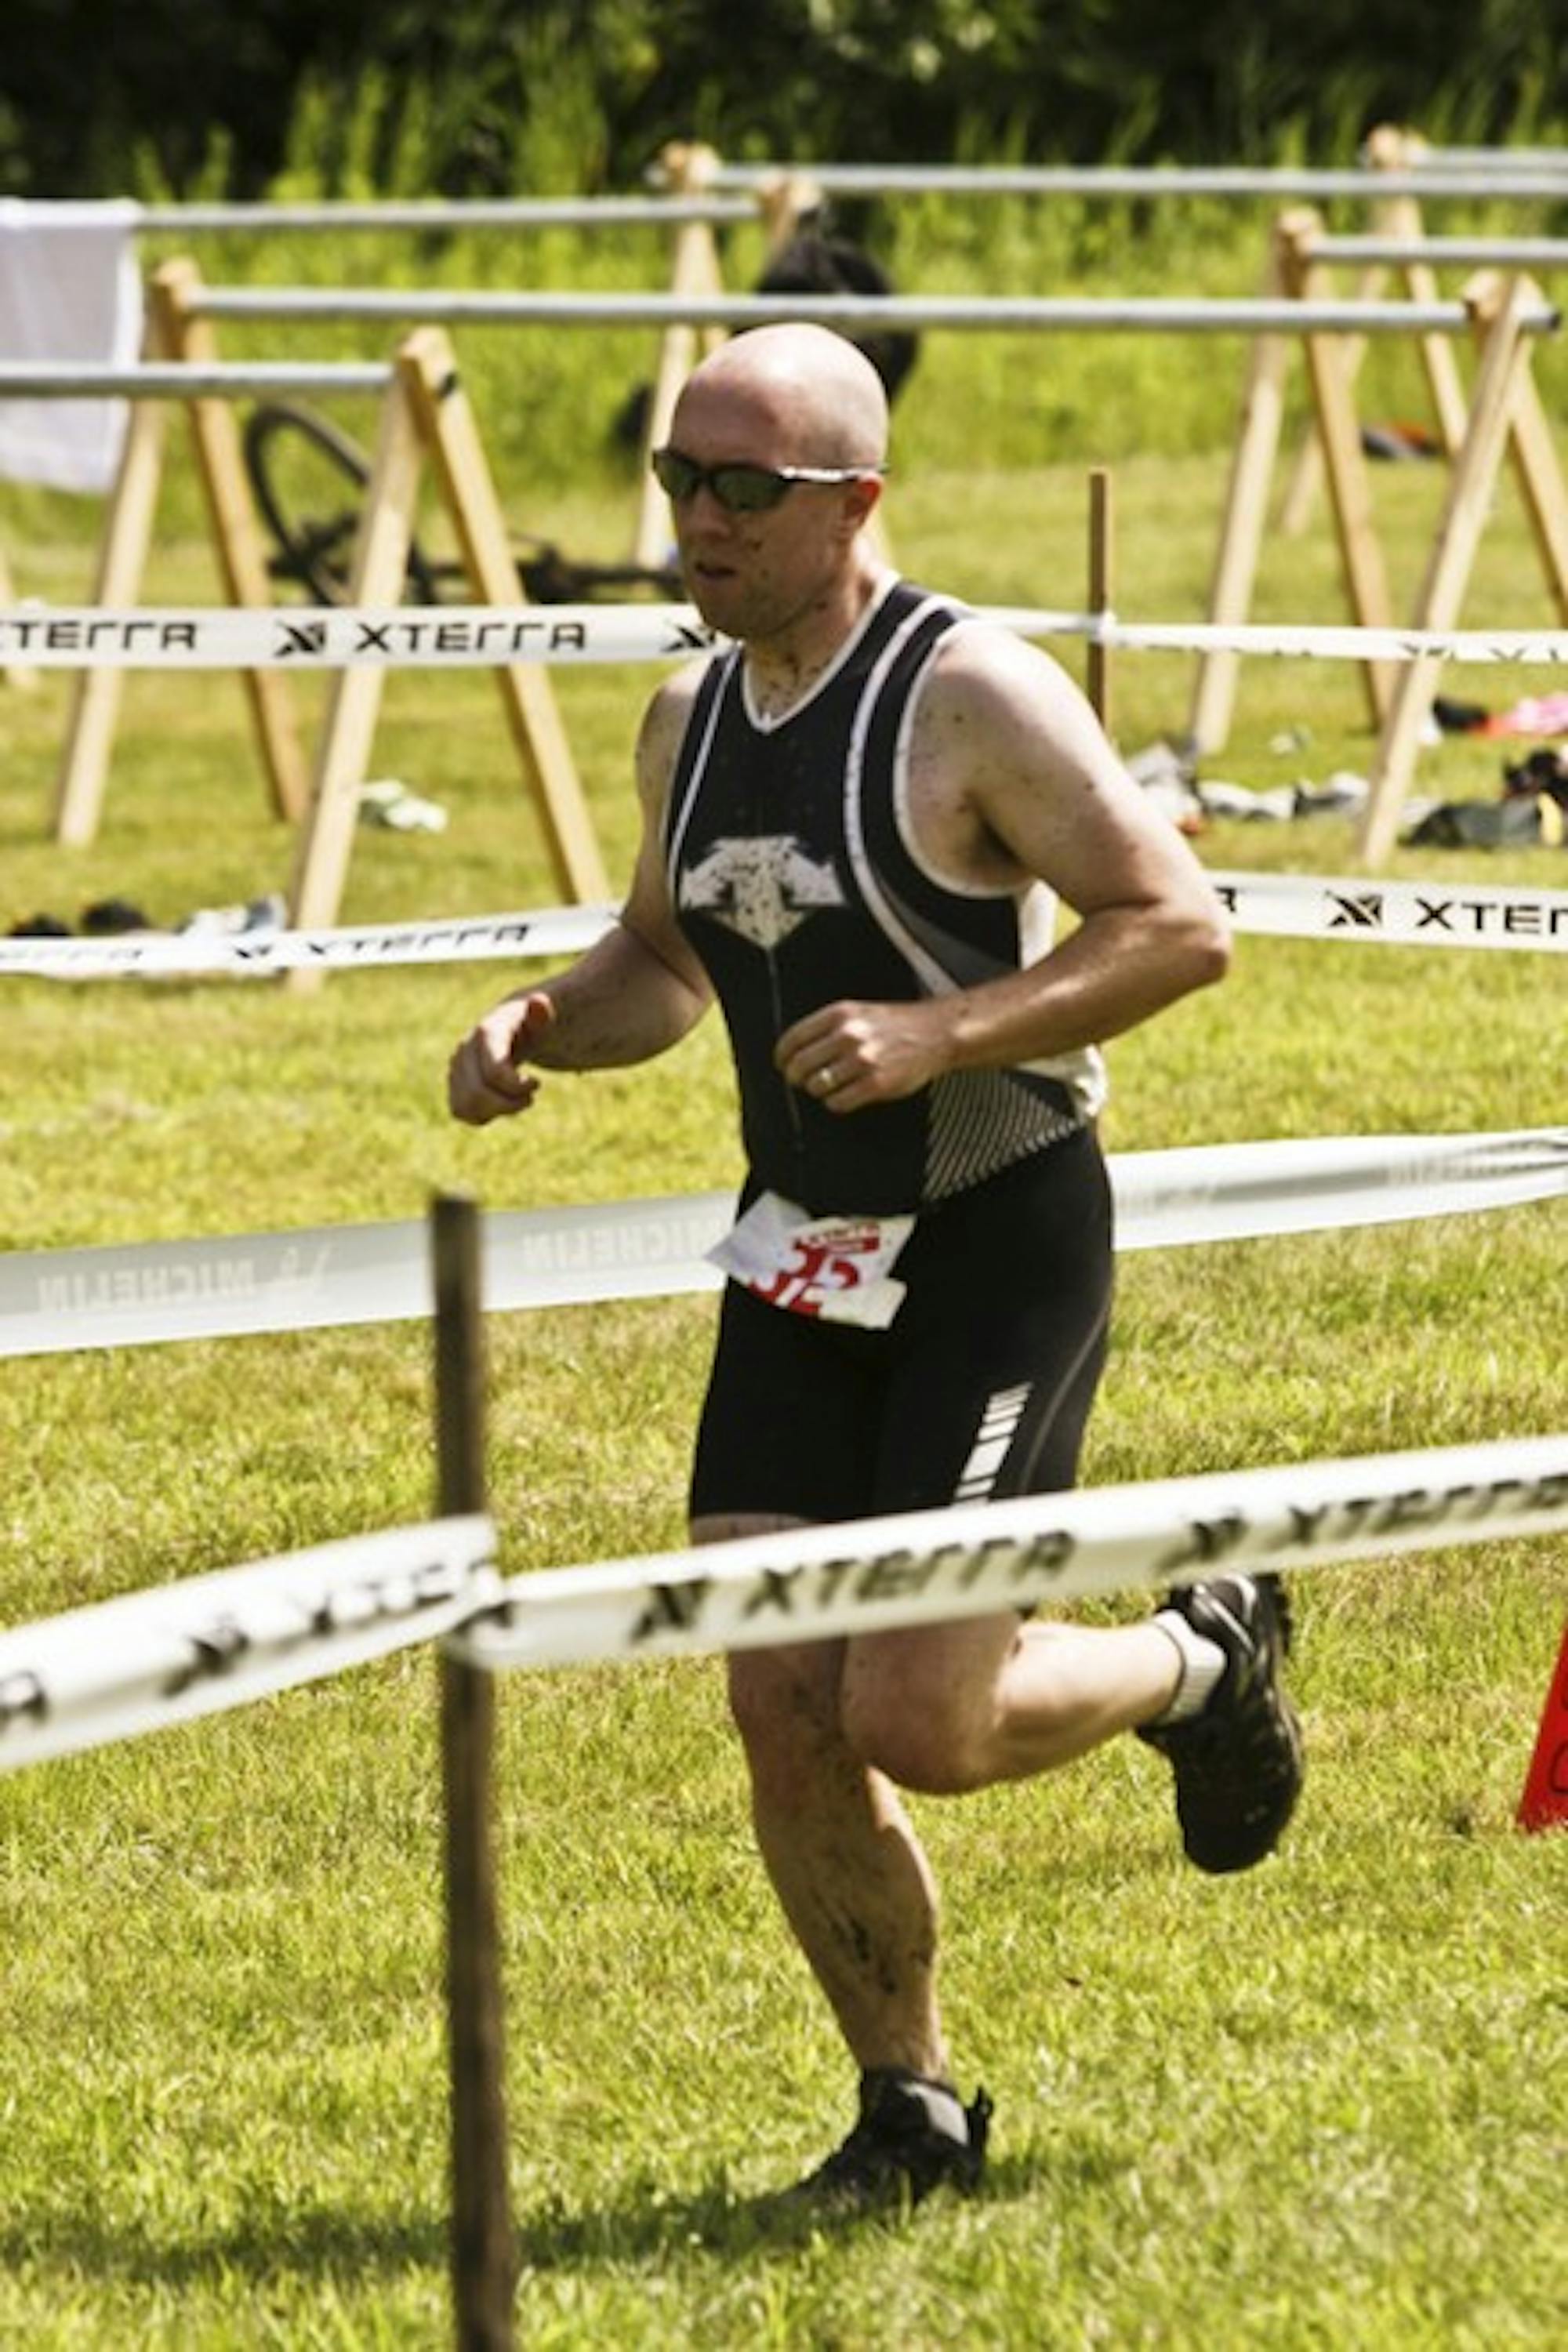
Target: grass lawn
[{"x": 1319, "y": 2107}]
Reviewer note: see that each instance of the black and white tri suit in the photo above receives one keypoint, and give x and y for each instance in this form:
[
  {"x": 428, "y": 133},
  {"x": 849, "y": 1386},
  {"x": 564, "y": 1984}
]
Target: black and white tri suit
[{"x": 796, "y": 879}]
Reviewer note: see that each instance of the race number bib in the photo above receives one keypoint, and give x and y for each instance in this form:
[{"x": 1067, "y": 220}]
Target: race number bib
[{"x": 836, "y": 1268}]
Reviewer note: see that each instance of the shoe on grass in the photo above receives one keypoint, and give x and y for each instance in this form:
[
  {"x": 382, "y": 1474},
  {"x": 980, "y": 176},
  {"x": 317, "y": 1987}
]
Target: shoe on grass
[
  {"x": 1238, "y": 1762},
  {"x": 912, "y": 2134}
]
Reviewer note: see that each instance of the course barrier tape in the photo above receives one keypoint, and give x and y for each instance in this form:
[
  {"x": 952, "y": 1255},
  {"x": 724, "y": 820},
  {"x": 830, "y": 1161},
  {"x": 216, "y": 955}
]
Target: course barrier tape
[
  {"x": 1400, "y": 914},
  {"x": 147, "y": 1660},
  {"x": 1289, "y": 906},
  {"x": 923, "y": 1567},
  {"x": 59, "y": 1301},
  {"x": 1306, "y": 640},
  {"x": 453, "y": 636},
  {"x": 179, "y": 955},
  {"x": 468, "y": 636}
]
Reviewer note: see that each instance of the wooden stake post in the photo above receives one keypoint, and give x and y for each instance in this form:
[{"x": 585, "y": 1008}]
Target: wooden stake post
[
  {"x": 483, "y": 2255},
  {"x": 428, "y": 413},
  {"x": 172, "y": 334}
]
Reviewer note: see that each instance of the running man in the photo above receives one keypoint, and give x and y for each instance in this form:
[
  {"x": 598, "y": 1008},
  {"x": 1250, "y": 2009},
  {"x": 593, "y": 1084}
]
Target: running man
[{"x": 856, "y": 821}]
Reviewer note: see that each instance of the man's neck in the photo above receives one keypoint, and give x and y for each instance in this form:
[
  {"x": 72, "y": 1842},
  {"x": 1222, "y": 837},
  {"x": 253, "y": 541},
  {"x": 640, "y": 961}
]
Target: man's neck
[{"x": 781, "y": 671}]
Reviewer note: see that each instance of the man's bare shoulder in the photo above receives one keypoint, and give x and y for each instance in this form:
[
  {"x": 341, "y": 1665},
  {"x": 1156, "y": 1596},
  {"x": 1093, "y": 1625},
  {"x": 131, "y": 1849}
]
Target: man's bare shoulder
[
  {"x": 996, "y": 707},
  {"x": 664, "y": 724},
  {"x": 982, "y": 668}
]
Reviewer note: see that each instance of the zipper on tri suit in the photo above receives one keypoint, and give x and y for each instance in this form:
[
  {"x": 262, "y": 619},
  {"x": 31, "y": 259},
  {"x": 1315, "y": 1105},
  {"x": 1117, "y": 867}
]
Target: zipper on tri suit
[
  {"x": 760, "y": 815},
  {"x": 791, "y": 1103}
]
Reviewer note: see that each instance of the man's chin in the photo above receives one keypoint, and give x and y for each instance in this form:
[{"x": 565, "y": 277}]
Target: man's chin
[{"x": 722, "y": 602}]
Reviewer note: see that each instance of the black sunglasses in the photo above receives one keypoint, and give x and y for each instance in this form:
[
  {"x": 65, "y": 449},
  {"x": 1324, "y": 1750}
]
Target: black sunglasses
[{"x": 741, "y": 488}]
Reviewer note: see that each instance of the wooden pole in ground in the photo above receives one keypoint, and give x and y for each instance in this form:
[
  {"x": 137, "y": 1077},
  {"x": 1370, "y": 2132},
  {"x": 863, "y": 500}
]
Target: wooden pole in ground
[{"x": 483, "y": 2254}]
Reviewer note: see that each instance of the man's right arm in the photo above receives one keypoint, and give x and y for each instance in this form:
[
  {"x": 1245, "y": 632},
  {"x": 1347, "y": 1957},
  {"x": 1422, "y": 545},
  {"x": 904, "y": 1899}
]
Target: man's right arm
[{"x": 635, "y": 993}]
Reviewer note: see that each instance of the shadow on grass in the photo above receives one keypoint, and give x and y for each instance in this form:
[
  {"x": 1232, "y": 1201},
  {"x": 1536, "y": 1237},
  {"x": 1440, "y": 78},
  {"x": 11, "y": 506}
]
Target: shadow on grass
[
  {"x": 319, "y": 2242},
  {"x": 643, "y": 2226},
  {"x": 646, "y": 2226}
]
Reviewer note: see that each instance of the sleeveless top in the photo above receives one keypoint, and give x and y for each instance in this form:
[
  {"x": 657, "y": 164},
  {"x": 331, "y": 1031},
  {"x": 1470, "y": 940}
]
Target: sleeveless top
[{"x": 795, "y": 878}]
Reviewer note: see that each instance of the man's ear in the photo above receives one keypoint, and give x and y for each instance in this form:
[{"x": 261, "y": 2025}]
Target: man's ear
[{"x": 861, "y": 499}]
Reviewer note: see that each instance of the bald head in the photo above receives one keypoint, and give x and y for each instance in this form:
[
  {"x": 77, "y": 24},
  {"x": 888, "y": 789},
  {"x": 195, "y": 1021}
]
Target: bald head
[{"x": 817, "y": 397}]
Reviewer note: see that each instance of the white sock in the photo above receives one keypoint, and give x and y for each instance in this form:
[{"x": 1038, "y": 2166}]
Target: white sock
[{"x": 1202, "y": 1663}]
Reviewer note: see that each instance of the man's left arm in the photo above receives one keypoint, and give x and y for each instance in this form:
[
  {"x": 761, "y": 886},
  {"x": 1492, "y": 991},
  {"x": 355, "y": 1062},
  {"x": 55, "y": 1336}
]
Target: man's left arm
[{"x": 1012, "y": 779}]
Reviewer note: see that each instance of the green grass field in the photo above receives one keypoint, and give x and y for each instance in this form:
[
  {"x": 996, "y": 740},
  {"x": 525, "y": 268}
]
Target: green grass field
[{"x": 1321, "y": 2107}]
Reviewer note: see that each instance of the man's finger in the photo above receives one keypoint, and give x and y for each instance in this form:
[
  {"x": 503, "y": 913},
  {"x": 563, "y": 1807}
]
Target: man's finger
[
  {"x": 808, "y": 1035},
  {"x": 537, "y": 1014}
]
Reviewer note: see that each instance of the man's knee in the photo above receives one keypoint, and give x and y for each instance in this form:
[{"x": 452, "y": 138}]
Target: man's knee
[
  {"x": 784, "y": 1705},
  {"x": 924, "y": 1733},
  {"x": 917, "y": 1717}
]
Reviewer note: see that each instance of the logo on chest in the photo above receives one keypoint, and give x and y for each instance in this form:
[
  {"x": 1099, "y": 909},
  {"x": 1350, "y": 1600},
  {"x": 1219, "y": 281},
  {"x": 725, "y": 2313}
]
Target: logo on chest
[{"x": 763, "y": 890}]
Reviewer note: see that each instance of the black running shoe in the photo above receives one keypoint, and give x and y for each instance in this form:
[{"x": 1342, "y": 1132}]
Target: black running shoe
[
  {"x": 912, "y": 2134},
  {"x": 1238, "y": 1764}
]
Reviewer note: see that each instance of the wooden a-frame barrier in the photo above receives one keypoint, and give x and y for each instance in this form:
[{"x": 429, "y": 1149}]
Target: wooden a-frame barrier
[
  {"x": 1504, "y": 313},
  {"x": 1505, "y": 415},
  {"x": 1388, "y": 149},
  {"x": 1397, "y": 220},
  {"x": 425, "y": 412},
  {"x": 83, "y": 770}
]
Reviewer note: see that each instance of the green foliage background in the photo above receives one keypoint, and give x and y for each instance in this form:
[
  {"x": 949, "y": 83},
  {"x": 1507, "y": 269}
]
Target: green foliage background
[{"x": 487, "y": 95}]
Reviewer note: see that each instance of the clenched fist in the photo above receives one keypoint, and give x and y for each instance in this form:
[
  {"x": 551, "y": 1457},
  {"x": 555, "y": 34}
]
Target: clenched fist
[{"x": 484, "y": 1080}]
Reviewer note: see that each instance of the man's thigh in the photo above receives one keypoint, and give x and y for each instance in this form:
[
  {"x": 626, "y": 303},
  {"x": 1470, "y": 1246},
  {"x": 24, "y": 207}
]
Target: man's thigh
[
  {"x": 996, "y": 1356},
  {"x": 790, "y": 1424}
]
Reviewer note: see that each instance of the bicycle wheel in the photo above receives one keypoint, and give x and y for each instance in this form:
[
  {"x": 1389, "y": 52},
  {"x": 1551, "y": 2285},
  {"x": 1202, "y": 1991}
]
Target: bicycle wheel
[{"x": 309, "y": 478}]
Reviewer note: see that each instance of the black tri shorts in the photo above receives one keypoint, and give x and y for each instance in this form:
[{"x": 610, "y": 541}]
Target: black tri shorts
[{"x": 978, "y": 1389}]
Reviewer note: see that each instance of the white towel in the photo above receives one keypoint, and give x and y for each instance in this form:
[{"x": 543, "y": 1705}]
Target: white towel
[{"x": 69, "y": 290}]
